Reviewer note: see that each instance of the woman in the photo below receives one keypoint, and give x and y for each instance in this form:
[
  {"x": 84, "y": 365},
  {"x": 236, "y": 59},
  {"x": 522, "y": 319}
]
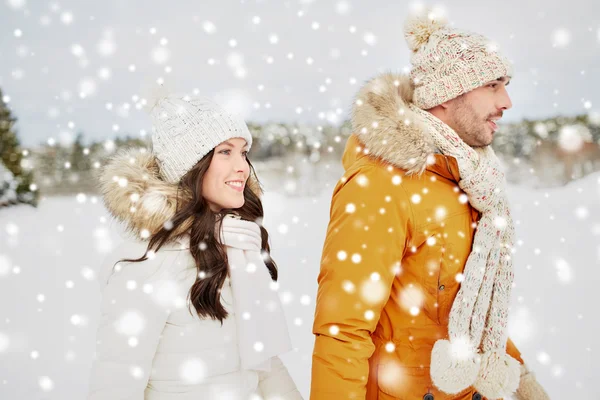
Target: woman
[{"x": 197, "y": 316}]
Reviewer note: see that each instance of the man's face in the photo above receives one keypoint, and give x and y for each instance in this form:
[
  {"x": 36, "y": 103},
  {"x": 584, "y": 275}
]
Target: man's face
[{"x": 473, "y": 115}]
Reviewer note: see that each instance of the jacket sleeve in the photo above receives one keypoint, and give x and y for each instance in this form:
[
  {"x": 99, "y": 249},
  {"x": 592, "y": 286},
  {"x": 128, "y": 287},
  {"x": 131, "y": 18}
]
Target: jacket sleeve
[
  {"x": 129, "y": 330},
  {"x": 512, "y": 351},
  {"x": 277, "y": 384},
  {"x": 365, "y": 242}
]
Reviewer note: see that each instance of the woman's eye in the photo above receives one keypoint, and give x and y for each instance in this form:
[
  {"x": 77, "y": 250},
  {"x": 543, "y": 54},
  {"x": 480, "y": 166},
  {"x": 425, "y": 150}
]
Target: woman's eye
[
  {"x": 493, "y": 85},
  {"x": 245, "y": 154},
  {"x": 226, "y": 152}
]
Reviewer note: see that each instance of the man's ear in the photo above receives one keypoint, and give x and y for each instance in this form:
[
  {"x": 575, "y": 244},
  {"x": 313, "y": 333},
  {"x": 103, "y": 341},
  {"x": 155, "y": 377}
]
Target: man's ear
[
  {"x": 445, "y": 104},
  {"x": 440, "y": 108}
]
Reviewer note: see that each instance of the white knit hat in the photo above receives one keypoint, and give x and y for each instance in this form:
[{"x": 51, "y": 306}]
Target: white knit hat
[
  {"x": 448, "y": 62},
  {"x": 186, "y": 128}
]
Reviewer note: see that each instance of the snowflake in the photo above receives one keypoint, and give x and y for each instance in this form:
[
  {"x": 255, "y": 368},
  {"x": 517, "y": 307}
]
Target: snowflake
[
  {"x": 392, "y": 375},
  {"x": 582, "y": 213},
  {"x": 521, "y": 325},
  {"x": 136, "y": 371},
  {"x": 4, "y": 342},
  {"x": 106, "y": 46},
  {"x": 572, "y": 137},
  {"x": 77, "y": 320},
  {"x": 67, "y": 17},
  {"x": 563, "y": 271},
  {"x": 16, "y": 4},
  {"x": 130, "y": 323},
  {"x": 350, "y": 288},
  {"x": 342, "y": 7},
  {"x": 283, "y": 229},
  {"x": 46, "y": 384},
  {"x": 160, "y": 55},
  {"x": 370, "y": 39},
  {"x": 462, "y": 348},
  {"x": 561, "y": 38},
  {"x": 5, "y": 265},
  {"x": 87, "y": 87},
  {"x": 209, "y": 27},
  {"x": 373, "y": 290},
  {"x": 543, "y": 358}
]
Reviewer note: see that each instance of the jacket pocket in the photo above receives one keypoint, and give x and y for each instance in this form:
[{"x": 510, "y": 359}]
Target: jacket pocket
[
  {"x": 446, "y": 249},
  {"x": 403, "y": 383},
  {"x": 396, "y": 382},
  {"x": 430, "y": 277}
]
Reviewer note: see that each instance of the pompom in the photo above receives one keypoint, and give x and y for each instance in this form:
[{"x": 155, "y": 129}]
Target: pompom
[
  {"x": 420, "y": 26},
  {"x": 499, "y": 375},
  {"x": 452, "y": 369},
  {"x": 155, "y": 95}
]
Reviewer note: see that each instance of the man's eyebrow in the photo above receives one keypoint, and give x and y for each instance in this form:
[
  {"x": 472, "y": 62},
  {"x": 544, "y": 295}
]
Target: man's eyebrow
[{"x": 504, "y": 80}]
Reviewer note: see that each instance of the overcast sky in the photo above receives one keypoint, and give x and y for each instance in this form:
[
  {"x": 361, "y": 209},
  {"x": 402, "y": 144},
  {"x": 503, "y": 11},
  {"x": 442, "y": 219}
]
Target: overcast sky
[{"x": 73, "y": 65}]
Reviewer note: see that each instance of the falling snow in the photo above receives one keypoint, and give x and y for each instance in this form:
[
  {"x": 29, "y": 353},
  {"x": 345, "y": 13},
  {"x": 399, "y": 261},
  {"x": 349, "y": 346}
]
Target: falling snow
[{"x": 50, "y": 256}]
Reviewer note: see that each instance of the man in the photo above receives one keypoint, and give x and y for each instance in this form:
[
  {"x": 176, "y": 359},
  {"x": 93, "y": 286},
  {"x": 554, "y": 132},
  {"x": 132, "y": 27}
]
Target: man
[{"x": 416, "y": 271}]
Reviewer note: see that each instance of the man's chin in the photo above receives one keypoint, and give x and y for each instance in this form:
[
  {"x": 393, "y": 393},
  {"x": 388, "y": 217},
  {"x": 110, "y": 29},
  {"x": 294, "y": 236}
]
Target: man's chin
[{"x": 483, "y": 141}]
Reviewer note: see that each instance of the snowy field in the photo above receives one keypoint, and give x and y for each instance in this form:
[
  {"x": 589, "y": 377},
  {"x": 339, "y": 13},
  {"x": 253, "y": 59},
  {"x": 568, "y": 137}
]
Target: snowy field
[{"x": 49, "y": 299}]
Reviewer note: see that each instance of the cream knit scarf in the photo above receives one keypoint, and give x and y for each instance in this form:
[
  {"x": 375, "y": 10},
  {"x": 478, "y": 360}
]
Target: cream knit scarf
[
  {"x": 261, "y": 326},
  {"x": 475, "y": 354}
]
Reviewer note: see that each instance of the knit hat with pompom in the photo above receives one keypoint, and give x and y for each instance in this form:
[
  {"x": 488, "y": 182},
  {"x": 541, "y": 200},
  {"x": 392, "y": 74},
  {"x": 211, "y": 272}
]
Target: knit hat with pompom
[
  {"x": 447, "y": 62},
  {"x": 186, "y": 128}
]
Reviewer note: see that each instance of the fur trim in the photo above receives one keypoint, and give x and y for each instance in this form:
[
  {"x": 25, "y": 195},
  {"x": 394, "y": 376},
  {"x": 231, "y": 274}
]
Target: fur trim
[
  {"x": 499, "y": 375},
  {"x": 450, "y": 372},
  {"x": 383, "y": 121},
  {"x": 135, "y": 194}
]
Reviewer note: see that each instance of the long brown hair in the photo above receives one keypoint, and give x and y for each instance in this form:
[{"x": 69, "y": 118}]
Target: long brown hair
[{"x": 209, "y": 254}]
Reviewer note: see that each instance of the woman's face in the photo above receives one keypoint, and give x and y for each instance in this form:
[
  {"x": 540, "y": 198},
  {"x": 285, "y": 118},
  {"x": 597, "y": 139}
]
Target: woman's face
[{"x": 225, "y": 179}]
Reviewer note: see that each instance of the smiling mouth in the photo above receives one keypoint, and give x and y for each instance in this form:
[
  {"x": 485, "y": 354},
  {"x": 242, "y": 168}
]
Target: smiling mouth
[{"x": 236, "y": 185}]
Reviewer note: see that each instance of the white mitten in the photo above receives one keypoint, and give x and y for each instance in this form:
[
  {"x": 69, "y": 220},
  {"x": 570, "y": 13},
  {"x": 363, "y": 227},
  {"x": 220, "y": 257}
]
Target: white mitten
[{"x": 529, "y": 387}]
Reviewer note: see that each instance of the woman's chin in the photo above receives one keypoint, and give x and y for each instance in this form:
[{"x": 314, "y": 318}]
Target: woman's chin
[{"x": 232, "y": 205}]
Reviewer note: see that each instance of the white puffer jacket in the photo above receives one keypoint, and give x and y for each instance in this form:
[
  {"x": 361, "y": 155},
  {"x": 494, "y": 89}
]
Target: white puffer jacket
[{"x": 151, "y": 344}]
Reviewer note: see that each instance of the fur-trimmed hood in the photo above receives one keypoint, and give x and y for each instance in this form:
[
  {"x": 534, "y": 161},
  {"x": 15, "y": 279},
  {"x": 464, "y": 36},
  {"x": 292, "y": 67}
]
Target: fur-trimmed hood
[
  {"x": 383, "y": 121},
  {"x": 136, "y": 195}
]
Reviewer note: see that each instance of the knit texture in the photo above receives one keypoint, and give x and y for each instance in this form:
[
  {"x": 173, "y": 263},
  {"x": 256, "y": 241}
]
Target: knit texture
[
  {"x": 261, "y": 327},
  {"x": 185, "y": 129},
  {"x": 479, "y": 314},
  {"x": 448, "y": 62},
  {"x": 529, "y": 387}
]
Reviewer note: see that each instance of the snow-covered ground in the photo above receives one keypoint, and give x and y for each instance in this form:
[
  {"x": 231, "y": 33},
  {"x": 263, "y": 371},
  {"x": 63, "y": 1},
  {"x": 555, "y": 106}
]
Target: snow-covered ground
[{"x": 49, "y": 299}]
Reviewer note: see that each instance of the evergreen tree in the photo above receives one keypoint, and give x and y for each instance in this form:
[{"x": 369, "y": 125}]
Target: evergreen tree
[
  {"x": 11, "y": 155},
  {"x": 80, "y": 162}
]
